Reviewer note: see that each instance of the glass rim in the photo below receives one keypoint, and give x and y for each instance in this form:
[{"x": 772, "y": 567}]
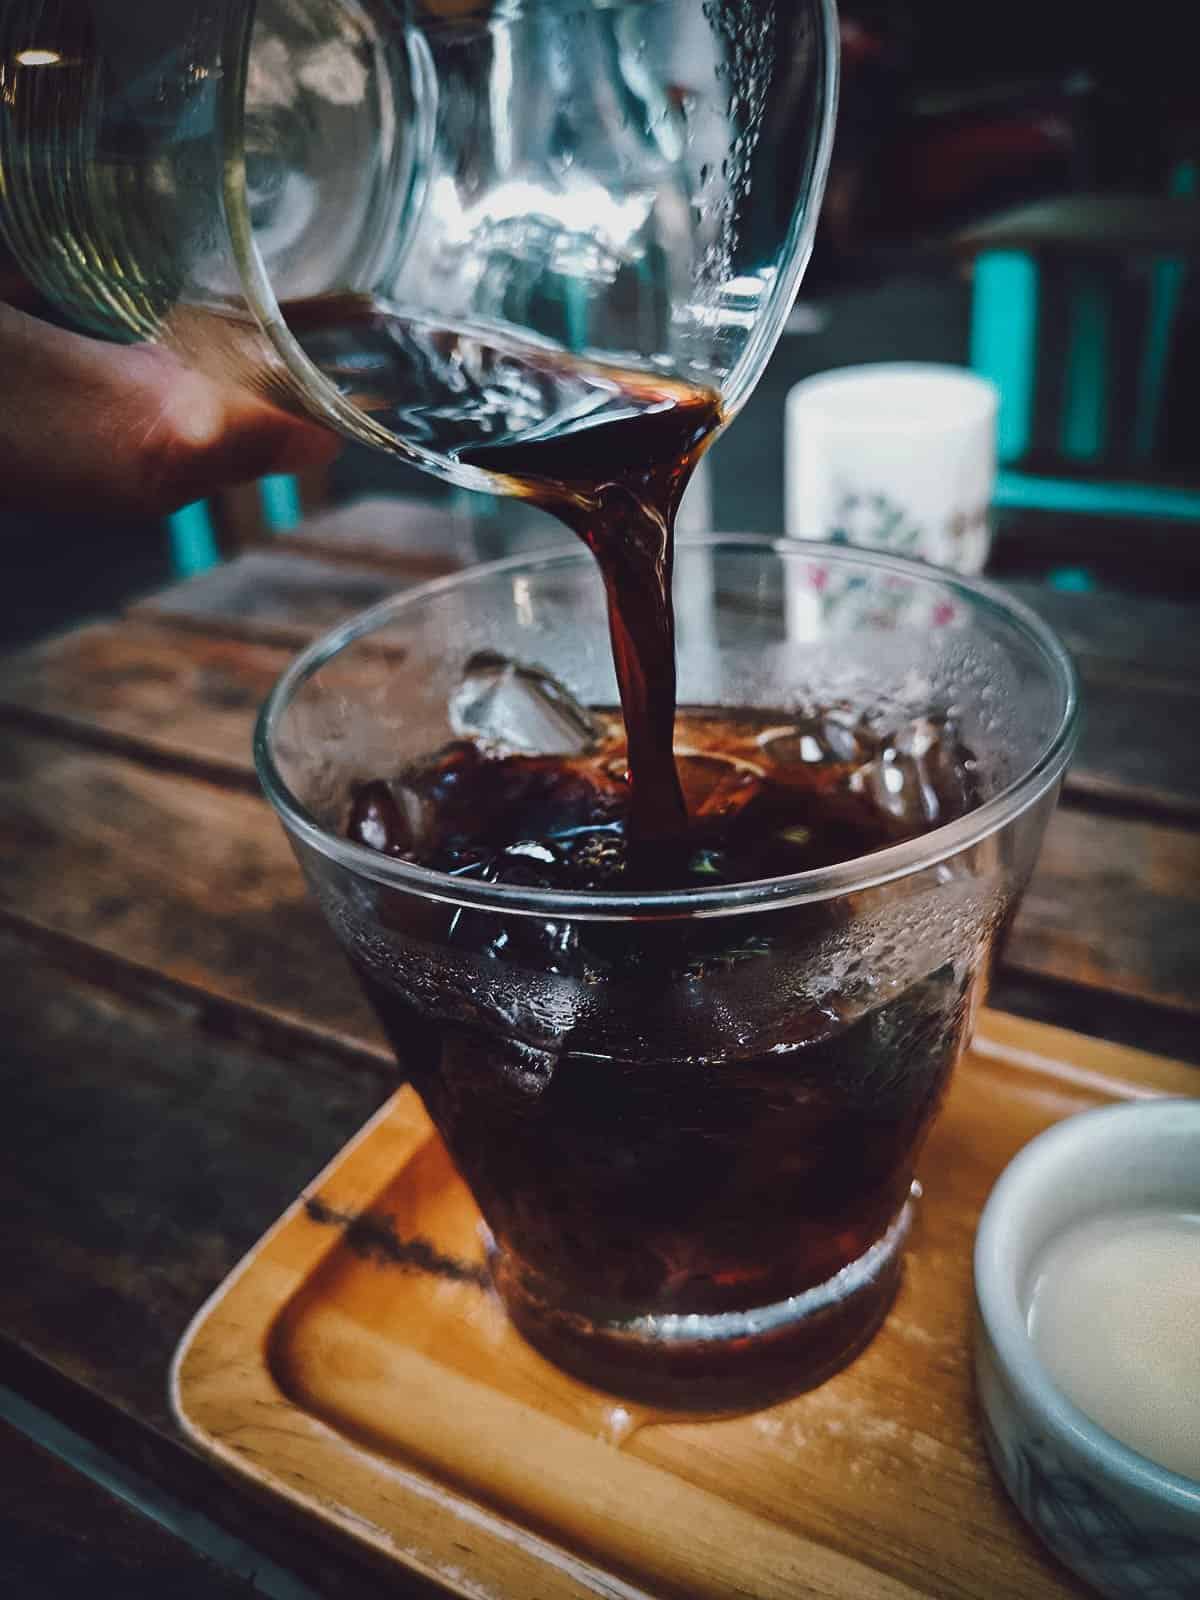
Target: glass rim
[{"x": 615, "y": 905}]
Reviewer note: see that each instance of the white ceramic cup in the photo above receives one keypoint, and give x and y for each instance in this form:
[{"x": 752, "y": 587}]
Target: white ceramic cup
[
  {"x": 898, "y": 456},
  {"x": 1127, "y": 1526}
]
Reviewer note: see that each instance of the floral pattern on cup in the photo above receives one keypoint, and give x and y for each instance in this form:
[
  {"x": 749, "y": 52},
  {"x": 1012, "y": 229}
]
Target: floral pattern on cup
[
  {"x": 835, "y": 597},
  {"x": 874, "y": 521},
  {"x": 1090, "y": 1531}
]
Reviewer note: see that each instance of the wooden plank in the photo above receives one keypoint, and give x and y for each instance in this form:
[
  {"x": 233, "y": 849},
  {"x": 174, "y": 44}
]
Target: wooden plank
[
  {"x": 148, "y": 1156},
  {"x": 1114, "y": 905},
  {"x": 63, "y": 1535},
  {"x": 185, "y": 1147},
  {"x": 187, "y": 698},
  {"x": 1122, "y": 1019},
  {"x": 1131, "y": 751},
  {"x": 183, "y": 699},
  {"x": 273, "y": 597},
  {"x": 168, "y": 881},
  {"x": 1136, "y": 748},
  {"x": 287, "y": 595},
  {"x": 1139, "y": 667},
  {"x": 99, "y": 1418},
  {"x": 173, "y": 879},
  {"x": 414, "y": 538},
  {"x": 872, "y": 1484},
  {"x": 1157, "y": 638}
]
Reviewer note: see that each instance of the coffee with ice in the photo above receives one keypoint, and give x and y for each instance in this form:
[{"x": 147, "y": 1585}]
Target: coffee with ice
[
  {"x": 692, "y": 1143},
  {"x": 685, "y": 1075}
]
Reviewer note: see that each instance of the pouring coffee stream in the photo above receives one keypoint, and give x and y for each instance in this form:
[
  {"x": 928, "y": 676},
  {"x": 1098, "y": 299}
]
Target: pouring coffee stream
[
  {"x": 618, "y": 486},
  {"x": 607, "y": 451}
]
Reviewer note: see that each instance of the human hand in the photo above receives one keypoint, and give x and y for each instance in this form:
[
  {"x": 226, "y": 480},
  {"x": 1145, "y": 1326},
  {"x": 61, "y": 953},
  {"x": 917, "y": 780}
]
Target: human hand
[{"x": 129, "y": 431}]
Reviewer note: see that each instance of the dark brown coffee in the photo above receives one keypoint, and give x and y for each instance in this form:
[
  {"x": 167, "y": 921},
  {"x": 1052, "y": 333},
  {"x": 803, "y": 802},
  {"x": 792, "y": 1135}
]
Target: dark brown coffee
[
  {"x": 659, "y": 1118},
  {"x": 650, "y": 1159},
  {"x": 765, "y": 794}
]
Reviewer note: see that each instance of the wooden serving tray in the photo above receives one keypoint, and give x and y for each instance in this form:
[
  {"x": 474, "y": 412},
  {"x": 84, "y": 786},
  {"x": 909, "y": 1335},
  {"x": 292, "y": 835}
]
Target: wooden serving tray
[{"x": 356, "y": 1364}]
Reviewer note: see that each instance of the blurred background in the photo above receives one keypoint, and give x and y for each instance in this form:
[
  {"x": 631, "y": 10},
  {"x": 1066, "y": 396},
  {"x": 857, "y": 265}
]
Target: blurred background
[{"x": 980, "y": 150}]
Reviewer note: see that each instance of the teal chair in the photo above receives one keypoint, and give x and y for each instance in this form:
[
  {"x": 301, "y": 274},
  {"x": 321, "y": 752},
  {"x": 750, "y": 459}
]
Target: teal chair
[
  {"x": 192, "y": 534},
  {"x": 1092, "y": 455}
]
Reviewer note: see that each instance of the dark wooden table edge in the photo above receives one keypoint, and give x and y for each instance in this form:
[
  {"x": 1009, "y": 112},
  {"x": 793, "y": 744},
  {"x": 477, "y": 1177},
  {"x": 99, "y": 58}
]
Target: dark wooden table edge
[
  {"x": 228, "y": 1499},
  {"x": 256, "y": 1026}
]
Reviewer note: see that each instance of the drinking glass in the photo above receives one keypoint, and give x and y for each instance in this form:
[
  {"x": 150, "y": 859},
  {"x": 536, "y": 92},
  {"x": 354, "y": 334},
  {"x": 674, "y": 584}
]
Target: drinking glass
[
  {"x": 431, "y": 225},
  {"x": 689, "y": 1118}
]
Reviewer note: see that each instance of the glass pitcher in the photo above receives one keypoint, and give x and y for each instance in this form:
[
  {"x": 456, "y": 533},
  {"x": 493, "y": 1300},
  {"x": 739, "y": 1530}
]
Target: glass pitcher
[{"x": 429, "y": 224}]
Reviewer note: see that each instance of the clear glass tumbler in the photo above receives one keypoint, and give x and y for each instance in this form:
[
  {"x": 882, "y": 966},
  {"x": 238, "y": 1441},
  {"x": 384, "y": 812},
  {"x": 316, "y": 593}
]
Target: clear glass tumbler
[{"x": 690, "y": 1119}]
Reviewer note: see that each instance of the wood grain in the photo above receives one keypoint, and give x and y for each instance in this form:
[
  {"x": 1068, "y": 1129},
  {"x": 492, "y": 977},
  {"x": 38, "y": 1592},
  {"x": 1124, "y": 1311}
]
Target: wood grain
[
  {"x": 1121, "y": 1019},
  {"x": 587, "y": 1506},
  {"x": 180, "y": 1032},
  {"x": 874, "y": 1484},
  {"x": 289, "y": 587},
  {"x": 380, "y": 546},
  {"x": 1133, "y": 750},
  {"x": 147, "y": 1156},
  {"x": 182, "y": 699},
  {"x": 1139, "y": 663},
  {"x": 1155, "y": 637},
  {"x": 175, "y": 881},
  {"x": 1114, "y": 905},
  {"x": 188, "y": 698},
  {"x": 1139, "y": 667}
]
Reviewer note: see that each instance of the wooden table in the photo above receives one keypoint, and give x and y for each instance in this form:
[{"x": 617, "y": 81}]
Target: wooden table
[{"x": 186, "y": 1048}]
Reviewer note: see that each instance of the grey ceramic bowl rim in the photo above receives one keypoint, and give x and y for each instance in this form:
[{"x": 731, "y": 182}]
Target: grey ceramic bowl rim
[
  {"x": 1065, "y": 1146},
  {"x": 820, "y": 883}
]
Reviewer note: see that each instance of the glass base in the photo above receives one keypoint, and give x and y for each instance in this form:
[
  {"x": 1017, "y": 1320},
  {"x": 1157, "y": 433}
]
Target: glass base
[{"x": 725, "y": 1362}]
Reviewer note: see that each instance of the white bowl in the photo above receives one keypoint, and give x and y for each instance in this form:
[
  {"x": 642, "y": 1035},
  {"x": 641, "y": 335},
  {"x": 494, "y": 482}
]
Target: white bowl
[{"x": 1127, "y": 1526}]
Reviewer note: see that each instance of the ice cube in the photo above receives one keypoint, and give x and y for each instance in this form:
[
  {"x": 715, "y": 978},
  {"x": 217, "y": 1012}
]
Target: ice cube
[
  {"x": 520, "y": 708},
  {"x": 922, "y": 776},
  {"x": 947, "y": 767},
  {"x": 380, "y": 820},
  {"x": 823, "y": 739}
]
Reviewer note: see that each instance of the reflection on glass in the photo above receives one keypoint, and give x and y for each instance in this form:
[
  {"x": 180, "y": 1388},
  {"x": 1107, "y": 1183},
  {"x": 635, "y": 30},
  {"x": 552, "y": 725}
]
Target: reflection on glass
[{"x": 438, "y": 226}]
